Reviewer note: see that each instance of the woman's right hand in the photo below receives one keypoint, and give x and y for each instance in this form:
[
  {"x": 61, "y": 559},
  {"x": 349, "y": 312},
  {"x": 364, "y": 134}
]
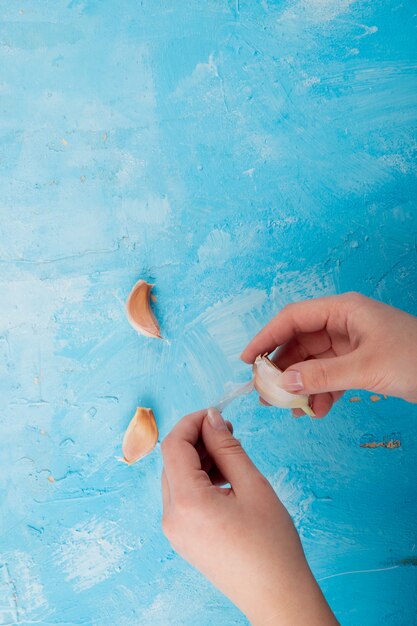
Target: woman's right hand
[{"x": 327, "y": 345}]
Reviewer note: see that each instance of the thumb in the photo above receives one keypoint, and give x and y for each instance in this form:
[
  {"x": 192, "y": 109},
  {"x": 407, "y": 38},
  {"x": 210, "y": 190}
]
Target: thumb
[
  {"x": 227, "y": 452},
  {"x": 320, "y": 375}
]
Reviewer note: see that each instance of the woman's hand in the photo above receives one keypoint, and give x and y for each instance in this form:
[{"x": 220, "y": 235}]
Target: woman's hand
[
  {"x": 240, "y": 537},
  {"x": 328, "y": 345}
]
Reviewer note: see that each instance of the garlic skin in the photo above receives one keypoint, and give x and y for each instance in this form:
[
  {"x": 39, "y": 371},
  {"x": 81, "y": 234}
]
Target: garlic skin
[
  {"x": 139, "y": 311},
  {"x": 267, "y": 378},
  {"x": 140, "y": 437},
  {"x": 232, "y": 392}
]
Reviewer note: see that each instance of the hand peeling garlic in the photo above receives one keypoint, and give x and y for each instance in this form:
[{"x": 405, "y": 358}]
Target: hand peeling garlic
[
  {"x": 268, "y": 383},
  {"x": 140, "y": 437},
  {"x": 139, "y": 312}
]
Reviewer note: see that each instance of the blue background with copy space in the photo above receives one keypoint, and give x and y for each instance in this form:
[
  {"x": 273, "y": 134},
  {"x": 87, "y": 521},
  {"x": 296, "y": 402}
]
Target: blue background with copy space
[{"x": 240, "y": 155}]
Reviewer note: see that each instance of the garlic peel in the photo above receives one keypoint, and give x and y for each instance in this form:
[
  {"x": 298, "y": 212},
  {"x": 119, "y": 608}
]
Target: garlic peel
[
  {"x": 232, "y": 392},
  {"x": 139, "y": 311},
  {"x": 267, "y": 378},
  {"x": 140, "y": 437}
]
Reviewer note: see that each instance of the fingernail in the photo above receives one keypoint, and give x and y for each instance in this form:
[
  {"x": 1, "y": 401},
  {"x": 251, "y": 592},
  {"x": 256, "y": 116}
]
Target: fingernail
[
  {"x": 216, "y": 420},
  {"x": 291, "y": 380}
]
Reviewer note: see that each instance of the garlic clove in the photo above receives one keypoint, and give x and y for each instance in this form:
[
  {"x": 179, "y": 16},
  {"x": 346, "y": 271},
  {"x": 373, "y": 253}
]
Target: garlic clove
[
  {"x": 267, "y": 378},
  {"x": 139, "y": 311},
  {"x": 140, "y": 437}
]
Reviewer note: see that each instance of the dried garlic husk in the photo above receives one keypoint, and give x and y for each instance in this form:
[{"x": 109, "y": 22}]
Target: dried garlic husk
[
  {"x": 139, "y": 312},
  {"x": 232, "y": 392},
  {"x": 268, "y": 383},
  {"x": 140, "y": 437}
]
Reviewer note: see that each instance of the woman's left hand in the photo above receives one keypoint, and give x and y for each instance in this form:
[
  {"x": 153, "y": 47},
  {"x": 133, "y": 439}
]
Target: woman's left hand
[{"x": 240, "y": 537}]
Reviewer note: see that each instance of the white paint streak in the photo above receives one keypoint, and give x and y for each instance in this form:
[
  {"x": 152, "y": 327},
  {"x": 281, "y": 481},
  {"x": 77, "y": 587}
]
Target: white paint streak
[
  {"x": 9, "y": 613},
  {"x": 291, "y": 286},
  {"x": 129, "y": 167},
  {"x": 217, "y": 248},
  {"x": 215, "y": 339},
  {"x": 367, "y": 30},
  {"x": 154, "y": 210},
  {"x": 32, "y": 301},
  {"x": 317, "y": 10},
  {"x": 296, "y": 498},
  {"x": 204, "y": 83},
  {"x": 185, "y": 597},
  {"x": 313, "y": 80},
  {"x": 230, "y": 321},
  {"x": 91, "y": 552},
  {"x": 22, "y": 593},
  {"x": 207, "y": 374},
  {"x": 397, "y": 161},
  {"x": 359, "y": 571}
]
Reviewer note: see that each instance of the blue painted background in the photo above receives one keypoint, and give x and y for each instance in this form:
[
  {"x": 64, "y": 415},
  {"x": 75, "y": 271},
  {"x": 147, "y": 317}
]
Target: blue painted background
[{"x": 241, "y": 155}]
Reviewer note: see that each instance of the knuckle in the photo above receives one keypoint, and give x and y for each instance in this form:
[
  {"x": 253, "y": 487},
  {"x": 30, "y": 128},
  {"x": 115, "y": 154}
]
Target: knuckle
[
  {"x": 354, "y": 297},
  {"x": 230, "y": 446}
]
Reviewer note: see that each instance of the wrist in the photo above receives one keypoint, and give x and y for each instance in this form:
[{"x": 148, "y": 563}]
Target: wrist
[{"x": 292, "y": 599}]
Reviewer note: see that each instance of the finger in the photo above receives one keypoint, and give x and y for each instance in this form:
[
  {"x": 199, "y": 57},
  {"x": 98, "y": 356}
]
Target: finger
[
  {"x": 227, "y": 452},
  {"x": 182, "y": 463},
  {"x": 207, "y": 463},
  {"x": 319, "y": 411},
  {"x": 321, "y": 375},
  {"x": 321, "y": 404},
  {"x": 302, "y": 347},
  {"x": 201, "y": 449},
  {"x": 308, "y": 316}
]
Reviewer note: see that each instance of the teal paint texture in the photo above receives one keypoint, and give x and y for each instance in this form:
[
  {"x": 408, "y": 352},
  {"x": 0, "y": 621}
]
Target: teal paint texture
[{"x": 240, "y": 155}]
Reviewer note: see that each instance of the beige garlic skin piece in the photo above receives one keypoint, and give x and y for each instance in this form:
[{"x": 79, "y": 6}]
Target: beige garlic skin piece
[
  {"x": 139, "y": 311},
  {"x": 140, "y": 437},
  {"x": 267, "y": 378}
]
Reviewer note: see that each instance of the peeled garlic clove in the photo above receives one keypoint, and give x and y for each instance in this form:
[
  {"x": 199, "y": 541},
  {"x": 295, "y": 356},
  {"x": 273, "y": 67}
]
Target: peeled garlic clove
[
  {"x": 139, "y": 312},
  {"x": 140, "y": 437},
  {"x": 267, "y": 378}
]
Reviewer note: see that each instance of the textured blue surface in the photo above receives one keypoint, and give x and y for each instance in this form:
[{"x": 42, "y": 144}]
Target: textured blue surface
[{"x": 241, "y": 155}]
